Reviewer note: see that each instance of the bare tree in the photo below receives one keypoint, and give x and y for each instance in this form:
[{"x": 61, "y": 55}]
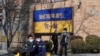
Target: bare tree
[
  {"x": 17, "y": 19},
  {"x": 86, "y": 16},
  {"x": 12, "y": 15}
]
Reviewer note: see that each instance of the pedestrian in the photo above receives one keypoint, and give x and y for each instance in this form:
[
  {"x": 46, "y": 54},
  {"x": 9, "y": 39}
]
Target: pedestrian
[
  {"x": 40, "y": 49},
  {"x": 55, "y": 42},
  {"x": 64, "y": 41},
  {"x": 29, "y": 47}
]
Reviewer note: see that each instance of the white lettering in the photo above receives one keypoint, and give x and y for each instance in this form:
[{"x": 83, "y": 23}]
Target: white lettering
[
  {"x": 57, "y": 15},
  {"x": 48, "y": 16},
  {"x": 61, "y": 15},
  {"x": 41, "y": 16},
  {"x": 52, "y": 15}
]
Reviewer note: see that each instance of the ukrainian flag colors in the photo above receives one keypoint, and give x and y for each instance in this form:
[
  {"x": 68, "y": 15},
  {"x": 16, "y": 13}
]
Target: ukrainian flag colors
[{"x": 46, "y": 21}]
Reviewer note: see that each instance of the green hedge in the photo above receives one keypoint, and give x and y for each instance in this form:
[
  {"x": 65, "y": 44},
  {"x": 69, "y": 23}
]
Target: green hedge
[
  {"x": 88, "y": 49},
  {"x": 77, "y": 45},
  {"x": 93, "y": 41},
  {"x": 48, "y": 46},
  {"x": 91, "y": 44},
  {"x": 76, "y": 37}
]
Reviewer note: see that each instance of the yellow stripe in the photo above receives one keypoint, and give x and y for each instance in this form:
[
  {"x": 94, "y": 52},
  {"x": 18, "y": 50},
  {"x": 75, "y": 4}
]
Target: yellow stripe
[{"x": 39, "y": 27}]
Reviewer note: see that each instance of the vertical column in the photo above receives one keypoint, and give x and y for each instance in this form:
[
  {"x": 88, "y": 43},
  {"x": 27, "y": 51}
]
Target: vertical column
[{"x": 4, "y": 44}]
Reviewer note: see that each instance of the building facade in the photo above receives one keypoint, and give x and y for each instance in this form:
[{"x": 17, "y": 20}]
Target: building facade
[{"x": 86, "y": 17}]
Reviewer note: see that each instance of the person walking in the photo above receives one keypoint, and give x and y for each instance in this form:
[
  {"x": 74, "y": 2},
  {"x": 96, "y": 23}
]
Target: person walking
[
  {"x": 55, "y": 42},
  {"x": 64, "y": 41}
]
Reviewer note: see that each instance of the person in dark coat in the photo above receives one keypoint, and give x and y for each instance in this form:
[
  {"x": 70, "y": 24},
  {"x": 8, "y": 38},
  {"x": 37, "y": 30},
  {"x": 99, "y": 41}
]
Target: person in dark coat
[
  {"x": 64, "y": 41},
  {"x": 29, "y": 47},
  {"x": 55, "y": 42},
  {"x": 40, "y": 49}
]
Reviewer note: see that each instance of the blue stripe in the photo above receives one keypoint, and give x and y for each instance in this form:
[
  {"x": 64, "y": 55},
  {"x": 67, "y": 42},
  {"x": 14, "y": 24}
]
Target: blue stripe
[{"x": 57, "y": 14}]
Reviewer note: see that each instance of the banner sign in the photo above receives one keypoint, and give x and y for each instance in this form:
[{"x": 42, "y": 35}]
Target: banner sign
[{"x": 48, "y": 20}]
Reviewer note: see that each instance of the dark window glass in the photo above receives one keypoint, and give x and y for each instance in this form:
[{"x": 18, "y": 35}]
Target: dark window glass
[
  {"x": 46, "y": 1},
  {"x": 0, "y": 10}
]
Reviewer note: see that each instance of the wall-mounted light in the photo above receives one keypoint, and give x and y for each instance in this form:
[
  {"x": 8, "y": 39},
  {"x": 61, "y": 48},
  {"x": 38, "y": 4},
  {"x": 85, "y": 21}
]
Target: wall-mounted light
[{"x": 79, "y": 5}]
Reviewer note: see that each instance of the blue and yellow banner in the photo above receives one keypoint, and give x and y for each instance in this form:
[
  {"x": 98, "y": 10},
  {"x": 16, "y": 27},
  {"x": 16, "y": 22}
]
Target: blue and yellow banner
[{"x": 46, "y": 21}]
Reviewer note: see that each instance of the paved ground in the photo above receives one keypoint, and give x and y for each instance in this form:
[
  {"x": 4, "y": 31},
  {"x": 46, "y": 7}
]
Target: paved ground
[
  {"x": 4, "y": 53},
  {"x": 63, "y": 55},
  {"x": 80, "y": 55},
  {"x": 85, "y": 55}
]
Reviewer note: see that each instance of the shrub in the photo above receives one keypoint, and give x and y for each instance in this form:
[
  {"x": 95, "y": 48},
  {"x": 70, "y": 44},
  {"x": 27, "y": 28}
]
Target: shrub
[
  {"x": 93, "y": 41},
  {"x": 76, "y": 37},
  {"x": 48, "y": 45},
  {"x": 77, "y": 45},
  {"x": 88, "y": 49}
]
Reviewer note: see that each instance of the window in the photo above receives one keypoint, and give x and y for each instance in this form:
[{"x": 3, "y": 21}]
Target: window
[
  {"x": 0, "y": 1},
  {"x": 55, "y": 0},
  {"x": 0, "y": 22},
  {"x": 46, "y": 1},
  {"x": 0, "y": 16},
  {"x": 0, "y": 10}
]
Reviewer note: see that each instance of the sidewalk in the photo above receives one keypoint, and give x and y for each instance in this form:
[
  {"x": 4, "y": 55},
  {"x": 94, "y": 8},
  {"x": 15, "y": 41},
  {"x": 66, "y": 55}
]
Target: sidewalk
[
  {"x": 69, "y": 54},
  {"x": 98, "y": 54},
  {"x": 4, "y": 53}
]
